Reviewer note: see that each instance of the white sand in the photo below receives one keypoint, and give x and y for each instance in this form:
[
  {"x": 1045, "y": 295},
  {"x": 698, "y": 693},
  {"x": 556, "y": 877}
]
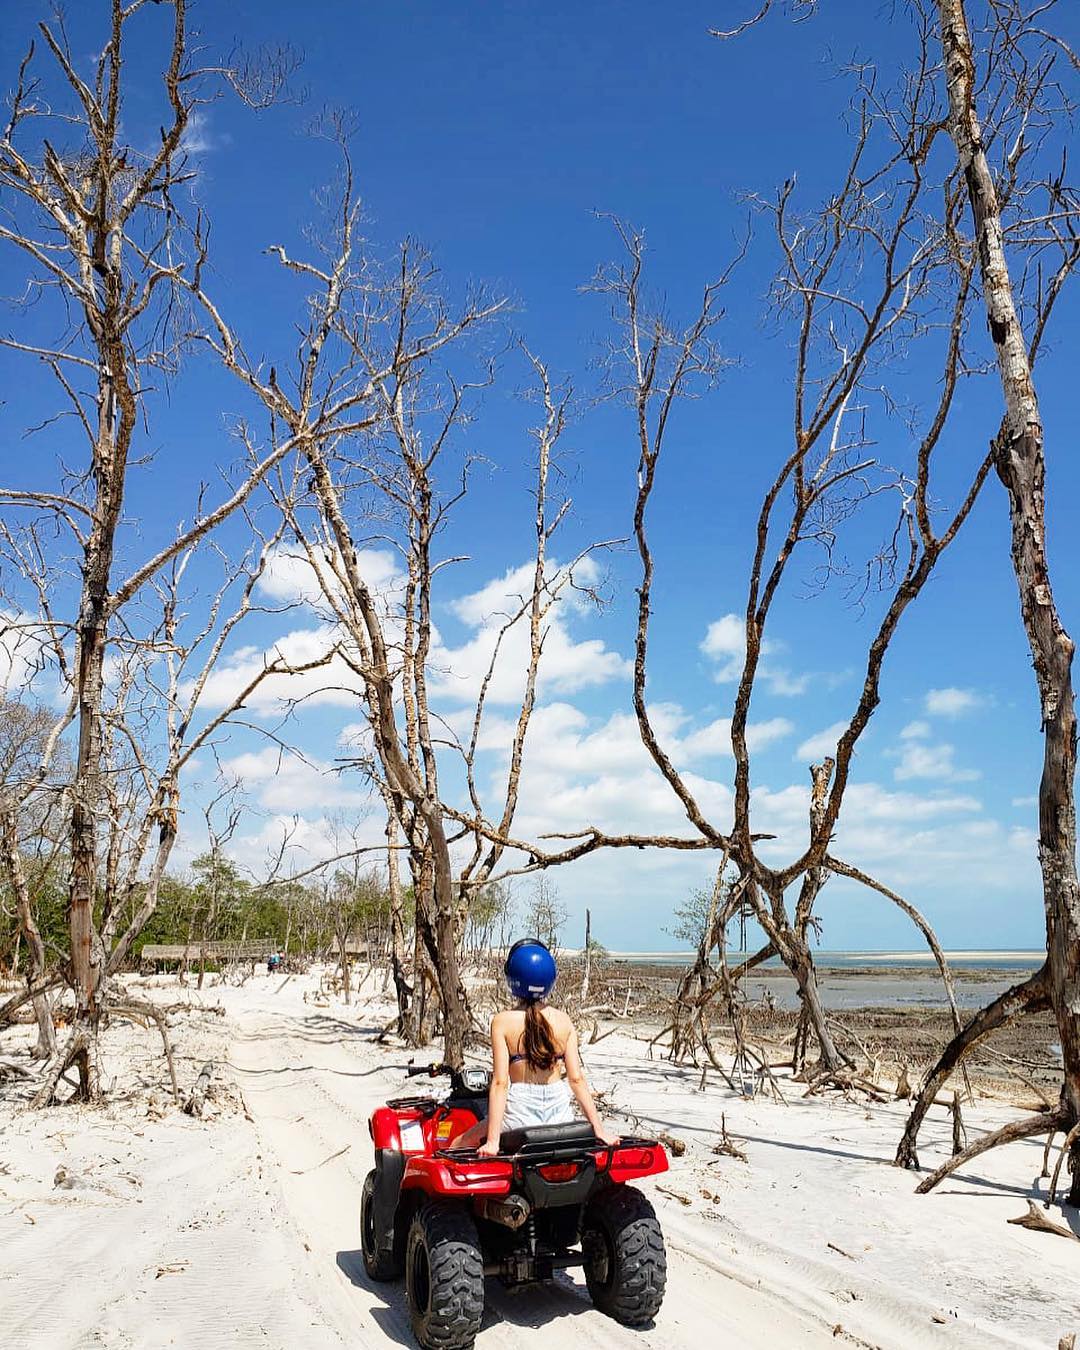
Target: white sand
[{"x": 229, "y": 1232}]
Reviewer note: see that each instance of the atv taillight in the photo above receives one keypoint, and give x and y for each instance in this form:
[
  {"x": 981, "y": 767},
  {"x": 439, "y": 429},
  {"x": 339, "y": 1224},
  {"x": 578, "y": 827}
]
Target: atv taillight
[
  {"x": 559, "y": 1171},
  {"x": 469, "y": 1174},
  {"x": 634, "y": 1157}
]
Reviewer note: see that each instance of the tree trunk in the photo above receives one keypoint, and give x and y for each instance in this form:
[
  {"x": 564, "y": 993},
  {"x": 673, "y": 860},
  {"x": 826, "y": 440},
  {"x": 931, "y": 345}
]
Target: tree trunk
[
  {"x": 794, "y": 950},
  {"x": 208, "y": 922},
  {"x": 588, "y": 957},
  {"x": 1020, "y": 463},
  {"x": 116, "y": 419},
  {"x": 9, "y": 847},
  {"x": 436, "y": 917},
  {"x": 397, "y": 919},
  {"x": 832, "y": 1058}
]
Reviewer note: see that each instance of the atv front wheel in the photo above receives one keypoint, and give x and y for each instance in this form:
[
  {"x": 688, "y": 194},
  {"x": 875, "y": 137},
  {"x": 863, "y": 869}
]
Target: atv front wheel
[
  {"x": 444, "y": 1277},
  {"x": 381, "y": 1263},
  {"x": 625, "y": 1261}
]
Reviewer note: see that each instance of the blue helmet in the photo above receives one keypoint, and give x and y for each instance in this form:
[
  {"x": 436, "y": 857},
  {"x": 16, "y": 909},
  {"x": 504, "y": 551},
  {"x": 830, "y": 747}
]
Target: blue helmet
[{"x": 530, "y": 969}]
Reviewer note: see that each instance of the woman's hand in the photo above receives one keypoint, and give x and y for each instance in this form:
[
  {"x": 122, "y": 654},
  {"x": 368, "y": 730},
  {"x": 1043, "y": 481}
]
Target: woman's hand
[
  {"x": 489, "y": 1148},
  {"x": 609, "y": 1136}
]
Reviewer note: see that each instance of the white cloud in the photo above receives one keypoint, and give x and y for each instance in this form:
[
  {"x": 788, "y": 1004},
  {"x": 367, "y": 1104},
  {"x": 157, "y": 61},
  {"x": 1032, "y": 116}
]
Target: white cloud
[
  {"x": 27, "y": 664},
  {"x": 289, "y": 577},
  {"x": 916, "y": 731},
  {"x": 197, "y": 138},
  {"x": 724, "y": 644},
  {"x": 292, "y": 843},
  {"x": 952, "y": 702},
  {"x": 1022, "y": 802},
  {"x": 455, "y": 673},
  {"x": 822, "y": 743},
  {"x": 567, "y": 665},
  {"x": 919, "y": 760},
  {"x": 783, "y": 683},
  {"x": 281, "y": 782},
  {"x": 715, "y": 738},
  {"x": 332, "y": 684}
]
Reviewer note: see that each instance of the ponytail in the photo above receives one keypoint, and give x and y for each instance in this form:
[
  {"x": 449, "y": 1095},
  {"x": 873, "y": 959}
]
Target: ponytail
[{"x": 541, "y": 1052}]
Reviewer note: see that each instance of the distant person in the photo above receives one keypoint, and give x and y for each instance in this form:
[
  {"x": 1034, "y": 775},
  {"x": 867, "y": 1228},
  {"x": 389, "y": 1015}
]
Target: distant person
[
  {"x": 273, "y": 961},
  {"x": 532, "y": 1045}
]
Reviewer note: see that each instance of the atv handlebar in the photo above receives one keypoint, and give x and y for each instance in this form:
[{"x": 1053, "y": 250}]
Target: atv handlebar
[
  {"x": 426, "y": 1070},
  {"x": 463, "y": 1082}
]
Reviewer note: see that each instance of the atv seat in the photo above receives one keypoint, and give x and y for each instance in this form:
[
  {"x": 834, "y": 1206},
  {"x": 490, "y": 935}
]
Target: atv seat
[{"x": 575, "y": 1135}]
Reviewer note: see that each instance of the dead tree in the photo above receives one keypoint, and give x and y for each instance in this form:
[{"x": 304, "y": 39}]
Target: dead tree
[
  {"x": 373, "y": 418},
  {"x": 1018, "y": 215},
  {"x": 342, "y": 352},
  {"x": 32, "y": 798},
  {"x": 100, "y": 229},
  {"x": 858, "y": 280},
  {"x": 152, "y": 725}
]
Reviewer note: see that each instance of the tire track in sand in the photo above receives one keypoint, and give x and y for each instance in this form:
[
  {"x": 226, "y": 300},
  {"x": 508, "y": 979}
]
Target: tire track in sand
[{"x": 310, "y": 1082}]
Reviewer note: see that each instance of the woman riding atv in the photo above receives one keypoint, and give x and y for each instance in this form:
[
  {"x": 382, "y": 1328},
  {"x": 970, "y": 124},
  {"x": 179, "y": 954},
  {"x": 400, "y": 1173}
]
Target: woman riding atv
[{"x": 532, "y": 1045}]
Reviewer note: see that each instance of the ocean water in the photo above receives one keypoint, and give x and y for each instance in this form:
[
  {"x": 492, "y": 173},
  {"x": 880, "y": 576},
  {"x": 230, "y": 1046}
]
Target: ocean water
[
  {"x": 894, "y": 979},
  {"x": 883, "y": 962}
]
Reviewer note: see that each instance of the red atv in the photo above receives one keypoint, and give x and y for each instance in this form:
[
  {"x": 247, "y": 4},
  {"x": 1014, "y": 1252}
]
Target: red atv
[{"x": 554, "y": 1197}]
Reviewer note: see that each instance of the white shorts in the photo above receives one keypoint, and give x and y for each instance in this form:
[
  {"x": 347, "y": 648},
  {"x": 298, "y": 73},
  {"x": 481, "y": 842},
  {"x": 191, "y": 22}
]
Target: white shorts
[{"x": 538, "y": 1104}]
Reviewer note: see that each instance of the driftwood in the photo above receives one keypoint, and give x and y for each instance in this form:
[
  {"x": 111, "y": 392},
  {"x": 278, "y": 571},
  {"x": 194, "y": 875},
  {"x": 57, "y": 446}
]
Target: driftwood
[
  {"x": 677, "y": 1147},
  {"x": 1067, "y": 1342},
  {"x": 597, "y": 1035},
  {"x": 195, "y": 1103},
  {"x": 725, "y": 1146},
  {"x": 843, "y": 1081},
  {"x": 10, "y": 1070},
  {"x": 1036, "y": 1220},
  {"x": 303, "y": 1171}
]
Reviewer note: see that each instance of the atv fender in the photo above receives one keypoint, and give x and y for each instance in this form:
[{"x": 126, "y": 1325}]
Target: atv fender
[{"x": 389, "y": 1169}]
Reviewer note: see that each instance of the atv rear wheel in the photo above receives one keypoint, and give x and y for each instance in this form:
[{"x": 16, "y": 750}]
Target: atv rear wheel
[
  {"x": 625, "y": 1261},
  {"x": 381, "y": 1263},
  {"x": 444, "y": 1277}
]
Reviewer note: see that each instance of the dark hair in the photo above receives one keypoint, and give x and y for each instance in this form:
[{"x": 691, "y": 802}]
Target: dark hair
[{"x": 538, "y": 1043}]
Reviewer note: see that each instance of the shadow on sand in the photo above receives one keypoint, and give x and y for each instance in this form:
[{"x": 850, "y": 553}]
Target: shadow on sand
[{"x": 532, "y": 1306}]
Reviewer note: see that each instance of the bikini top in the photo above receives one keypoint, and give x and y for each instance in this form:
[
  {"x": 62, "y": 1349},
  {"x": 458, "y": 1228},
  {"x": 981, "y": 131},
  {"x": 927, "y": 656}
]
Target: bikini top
[{"x": 514, "y": 1059}]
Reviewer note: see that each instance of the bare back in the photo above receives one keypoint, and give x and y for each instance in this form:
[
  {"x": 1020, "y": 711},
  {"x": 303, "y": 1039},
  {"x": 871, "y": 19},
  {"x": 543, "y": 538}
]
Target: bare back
[{"x": 509, "y": 1032}]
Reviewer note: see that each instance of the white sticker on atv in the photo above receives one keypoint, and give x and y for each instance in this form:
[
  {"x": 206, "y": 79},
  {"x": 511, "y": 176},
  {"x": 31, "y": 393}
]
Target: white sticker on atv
[{"x": 412, "y": 1136}]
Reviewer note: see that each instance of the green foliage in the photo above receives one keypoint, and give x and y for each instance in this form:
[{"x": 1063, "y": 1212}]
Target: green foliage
[
  {"x": 597, "y": 950},
  {"x": 692, "y": 916}
]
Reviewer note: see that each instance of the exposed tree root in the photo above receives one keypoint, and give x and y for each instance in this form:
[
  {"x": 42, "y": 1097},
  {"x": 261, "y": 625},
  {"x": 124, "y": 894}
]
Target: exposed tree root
[
  {"x": 1008, "y": 1134},
  {"x": 1066, "y": 1149},
  {"x": 824, "y": 1080},
  {"x": 81, "y": 1052},
  {"x": 140, "y": 1011},
  {"x": 1032, "y": 995}
]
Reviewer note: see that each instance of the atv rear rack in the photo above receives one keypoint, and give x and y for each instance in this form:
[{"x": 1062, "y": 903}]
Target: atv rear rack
[{"x": 541, "y": 1151}]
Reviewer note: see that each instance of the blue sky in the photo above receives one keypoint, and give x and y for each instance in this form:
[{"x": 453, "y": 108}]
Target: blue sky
[{"x": 493, "y": 133}]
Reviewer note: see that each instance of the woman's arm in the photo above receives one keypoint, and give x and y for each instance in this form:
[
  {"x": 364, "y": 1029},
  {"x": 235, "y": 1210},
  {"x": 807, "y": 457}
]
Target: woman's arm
[
  {"x": 500, "y": 1083},
  {"x": 575, "y": 1076}
]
